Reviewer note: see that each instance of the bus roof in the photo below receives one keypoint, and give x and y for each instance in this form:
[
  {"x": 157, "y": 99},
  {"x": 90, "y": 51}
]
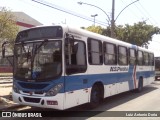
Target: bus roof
[{"x": 83, "y": 32}]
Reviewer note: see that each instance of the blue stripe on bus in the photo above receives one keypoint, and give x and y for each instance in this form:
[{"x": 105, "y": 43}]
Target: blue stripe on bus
[{"x": 76, "y": 82}]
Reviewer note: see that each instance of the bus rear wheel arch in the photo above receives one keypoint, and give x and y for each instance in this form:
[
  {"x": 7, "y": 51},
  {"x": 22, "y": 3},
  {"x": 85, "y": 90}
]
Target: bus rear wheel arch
[{"x": 97, "y": 95}]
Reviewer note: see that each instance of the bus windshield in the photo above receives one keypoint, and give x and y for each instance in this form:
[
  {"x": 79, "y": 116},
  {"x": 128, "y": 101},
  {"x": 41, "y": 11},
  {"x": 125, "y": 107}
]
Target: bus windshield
[{"x": 38, "y": 61}]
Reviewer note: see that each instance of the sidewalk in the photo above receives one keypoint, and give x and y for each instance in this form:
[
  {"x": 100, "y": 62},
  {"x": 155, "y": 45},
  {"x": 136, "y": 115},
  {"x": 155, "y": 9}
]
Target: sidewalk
[{"x": 6, "y": 102}]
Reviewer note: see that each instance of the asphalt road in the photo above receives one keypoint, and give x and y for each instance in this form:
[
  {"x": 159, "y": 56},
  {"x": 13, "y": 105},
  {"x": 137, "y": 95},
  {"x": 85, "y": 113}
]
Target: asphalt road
[{"x": 129, "y": 104}]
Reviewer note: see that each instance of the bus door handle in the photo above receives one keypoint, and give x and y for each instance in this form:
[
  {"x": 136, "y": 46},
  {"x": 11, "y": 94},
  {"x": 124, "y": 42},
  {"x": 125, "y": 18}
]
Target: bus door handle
[{"x": 85, "y": 81}]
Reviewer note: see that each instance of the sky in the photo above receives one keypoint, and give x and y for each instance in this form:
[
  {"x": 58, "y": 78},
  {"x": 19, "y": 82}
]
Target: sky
[{"x": 142, "y": 10}]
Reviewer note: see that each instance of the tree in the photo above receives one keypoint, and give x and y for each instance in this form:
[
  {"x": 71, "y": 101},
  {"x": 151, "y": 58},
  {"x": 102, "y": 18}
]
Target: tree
[
  {"x": 139, "y": 34},
  {"x": 8, "y": 27},
  {"x": 95, "y": 29}
]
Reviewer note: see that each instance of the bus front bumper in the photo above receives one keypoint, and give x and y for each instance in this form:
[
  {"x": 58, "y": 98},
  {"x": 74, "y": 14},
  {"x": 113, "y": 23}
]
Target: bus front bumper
[{"x": 54, "y": 102}]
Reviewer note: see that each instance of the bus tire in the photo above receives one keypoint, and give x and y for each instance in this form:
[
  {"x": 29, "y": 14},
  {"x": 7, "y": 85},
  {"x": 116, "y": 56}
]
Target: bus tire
[
  {"x": 140, "y": 85},
  {"x": 95, "y": 96}
]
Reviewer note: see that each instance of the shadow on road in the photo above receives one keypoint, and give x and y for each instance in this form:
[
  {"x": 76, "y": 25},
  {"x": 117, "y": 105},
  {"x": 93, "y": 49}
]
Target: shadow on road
[{"x": 122, "y": 98}]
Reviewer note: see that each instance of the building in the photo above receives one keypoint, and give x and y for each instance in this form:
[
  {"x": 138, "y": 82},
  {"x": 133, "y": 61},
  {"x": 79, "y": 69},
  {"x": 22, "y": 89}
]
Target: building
[{"x": 23, "y": 21}]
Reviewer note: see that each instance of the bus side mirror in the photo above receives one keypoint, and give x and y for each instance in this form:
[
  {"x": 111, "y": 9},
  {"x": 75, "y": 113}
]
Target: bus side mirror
[
  {"x": 4, "y": 49},
  {"x": 9, "y": 56}
]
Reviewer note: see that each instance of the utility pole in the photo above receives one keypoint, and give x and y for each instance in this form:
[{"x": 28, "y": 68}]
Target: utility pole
[{"x": 112, "y": 21}]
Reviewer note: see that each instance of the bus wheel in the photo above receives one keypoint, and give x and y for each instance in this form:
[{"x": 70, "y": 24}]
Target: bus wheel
[
  {"x": 95, "y": 96},
  {"x": 140, "y": 85}
]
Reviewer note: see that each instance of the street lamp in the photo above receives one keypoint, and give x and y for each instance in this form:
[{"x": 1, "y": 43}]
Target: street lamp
[
  {"x": 94, "y": 18},
  {"x": 125, "y": 8},
  {"x": 110, "y": 22}
]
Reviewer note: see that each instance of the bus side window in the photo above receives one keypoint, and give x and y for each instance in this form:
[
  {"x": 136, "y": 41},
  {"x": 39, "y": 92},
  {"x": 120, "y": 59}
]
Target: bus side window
[
  {"x": 95, "y": 55},
  {"x": 151, "y": 59},
  {"x": 140, "y": 58},
  {"x": 122, "y": 55},
  {"x": 146, "y": 59},
  {"x": 132, "y": 56},
  {"x": 109, "y": 54},
  {"x": 77, "y": 56}
]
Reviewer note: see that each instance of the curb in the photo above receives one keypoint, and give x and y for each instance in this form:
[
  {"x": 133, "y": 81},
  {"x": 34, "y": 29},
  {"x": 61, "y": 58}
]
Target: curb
[
  {"x": 9, "y": 104},
  {"x": 5, "y": 86},
  {"x": 11, "y": 107}
]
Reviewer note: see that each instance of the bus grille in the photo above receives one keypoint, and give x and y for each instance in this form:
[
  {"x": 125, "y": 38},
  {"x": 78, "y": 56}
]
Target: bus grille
[
  {"x": 32, "y": 85},
  {"x": 36, "y": 92},
  {"x": 32, "y": 100}
]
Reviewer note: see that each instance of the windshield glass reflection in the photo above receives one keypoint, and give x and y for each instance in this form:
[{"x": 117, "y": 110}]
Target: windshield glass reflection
[{"x": 38, "y": 60}]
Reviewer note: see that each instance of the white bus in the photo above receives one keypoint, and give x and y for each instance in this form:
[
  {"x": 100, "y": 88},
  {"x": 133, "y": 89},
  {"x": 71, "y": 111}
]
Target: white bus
[
  {"x": 157, "y": 68},
  {"x": 61, "y": 67}
]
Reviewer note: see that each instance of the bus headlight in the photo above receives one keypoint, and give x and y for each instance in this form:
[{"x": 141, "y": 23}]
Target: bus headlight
[
  {"x": 16, "y": 90},
  {"x": 53, "y": 91}
]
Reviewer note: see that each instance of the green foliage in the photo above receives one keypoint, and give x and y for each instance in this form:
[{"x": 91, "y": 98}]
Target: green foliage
[
  {"x": 8, "y": 27},
  {"x": 139, "y": 34},
  {"x": 95, "y": 29}
]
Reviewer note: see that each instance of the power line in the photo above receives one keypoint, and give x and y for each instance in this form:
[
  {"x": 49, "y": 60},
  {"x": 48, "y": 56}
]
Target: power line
[
  {"x": 149, "y": 14},
  {"x": 135, "y": 15},
  {"x": 130, "y": 9},
  {"x": 140, "y": 11},
  {"x": 42, "y": 2},
  {"x": 145, "y": 13}
]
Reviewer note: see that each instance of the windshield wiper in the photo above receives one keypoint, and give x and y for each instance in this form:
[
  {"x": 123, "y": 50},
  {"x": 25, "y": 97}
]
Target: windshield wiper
[
  {"x": 25, "y": 52},
  {"x": 34, "y": 53},
  {"x": 43, "y": 42},
  {"x": 23, "y": 47}
]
